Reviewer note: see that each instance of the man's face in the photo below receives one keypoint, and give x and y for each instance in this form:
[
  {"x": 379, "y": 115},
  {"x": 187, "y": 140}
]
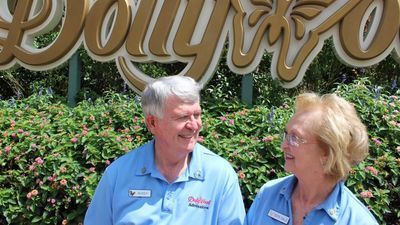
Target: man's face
[{"x": 177, "y": 131}]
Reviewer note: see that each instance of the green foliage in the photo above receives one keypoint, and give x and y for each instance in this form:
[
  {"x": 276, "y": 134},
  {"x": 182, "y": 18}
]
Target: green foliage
[
  {"x": 52, "y": 156},
  {"x": 377, "y": 178}
]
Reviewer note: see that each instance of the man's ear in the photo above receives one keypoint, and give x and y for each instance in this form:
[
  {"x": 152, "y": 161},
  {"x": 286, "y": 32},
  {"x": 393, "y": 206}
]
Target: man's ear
[{"x": 150, "y": 122}]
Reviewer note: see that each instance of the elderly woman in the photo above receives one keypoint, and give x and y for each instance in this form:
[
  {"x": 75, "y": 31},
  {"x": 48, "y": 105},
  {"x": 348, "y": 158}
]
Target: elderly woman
[{"x": 321, "y": 143}]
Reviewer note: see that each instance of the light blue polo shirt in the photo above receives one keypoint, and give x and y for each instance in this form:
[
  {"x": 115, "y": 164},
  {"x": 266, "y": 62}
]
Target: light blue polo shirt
[
  {"x": 133, "y": 191},
  {"x": 273, "y": 206}
]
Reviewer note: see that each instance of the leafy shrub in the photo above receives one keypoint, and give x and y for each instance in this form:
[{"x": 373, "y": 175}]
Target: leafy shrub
[{"x": 52, "y": 156}]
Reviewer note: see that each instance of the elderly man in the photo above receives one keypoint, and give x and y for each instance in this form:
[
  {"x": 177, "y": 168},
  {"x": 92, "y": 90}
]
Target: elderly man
[{"x": 171, "y": 179}]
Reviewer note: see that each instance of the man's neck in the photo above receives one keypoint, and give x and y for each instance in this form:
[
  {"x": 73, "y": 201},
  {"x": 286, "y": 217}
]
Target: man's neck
[{"x": 171, "y": 167}]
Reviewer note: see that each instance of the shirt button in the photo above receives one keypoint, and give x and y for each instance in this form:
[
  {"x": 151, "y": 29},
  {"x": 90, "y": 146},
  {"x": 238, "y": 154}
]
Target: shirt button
[{"x": 197, "y": 174}]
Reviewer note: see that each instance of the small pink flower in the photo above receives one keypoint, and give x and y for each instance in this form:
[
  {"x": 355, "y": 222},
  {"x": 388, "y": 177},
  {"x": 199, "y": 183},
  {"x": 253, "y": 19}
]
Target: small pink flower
[
  {"x": 7, "y": 149},
  {"x": 118, "y": 139},
  {"x": 110, "y": 121},
  {"x": 63, "y": 169},
  {"x": 372, "y": 170},
  {"x": 14, "y": 135},
  {"x": 398, "y": 149},
  {"x": 34, "y": 192},
  {"x": 231, "y": 122},
  {"x": 20, "y": 131},
  {"x": 241, "y": 175},
  {"x": 92, "y": 169},
  {"x": 366, "y": 194},
  {"x": 285, "y": 106},
  {"x": 26, "y": 134},
  {"x": 39, "y": 161},
  {"x": 64, "y": 222},
  {"x": 52, "y": 201},
  {"x": 84, "y": 132},
  {"x": 108, "y": 162},
  {"x": 91, "y": 118},
  {"x": 377, "y": 141},
  {"x": 268, "y": 139},
  {"x": 29, "y": 195},
  {"x": 222, "y": 118},
  {"x": 33, "y": 145},
  {"x": 74, "y": 140},
  {"x": 31, "y": 168},
  {"x": 63, "y": 182}
]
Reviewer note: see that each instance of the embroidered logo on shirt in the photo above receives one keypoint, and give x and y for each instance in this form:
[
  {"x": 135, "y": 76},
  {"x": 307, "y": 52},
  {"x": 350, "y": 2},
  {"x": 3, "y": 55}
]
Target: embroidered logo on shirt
[
  {"x": 278, "y": 216},
  {"x": 198, "y": 202},
  {"x": 139, "y": 193}
]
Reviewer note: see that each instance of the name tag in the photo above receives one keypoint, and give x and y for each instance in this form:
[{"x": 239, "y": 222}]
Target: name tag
[
  {"x": 140, "y": 193},
  {"x": 278, "y": 216}
]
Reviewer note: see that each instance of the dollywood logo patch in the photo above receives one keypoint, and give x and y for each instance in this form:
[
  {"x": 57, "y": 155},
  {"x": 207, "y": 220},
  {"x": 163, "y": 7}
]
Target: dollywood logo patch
[{"x": 198, "y": 202}]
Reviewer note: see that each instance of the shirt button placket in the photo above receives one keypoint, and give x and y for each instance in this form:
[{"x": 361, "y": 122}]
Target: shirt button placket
[{"x": 169, "y": 199}]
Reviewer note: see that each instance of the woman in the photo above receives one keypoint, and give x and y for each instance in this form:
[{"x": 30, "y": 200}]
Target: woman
[{"x": 321, "y": 143}]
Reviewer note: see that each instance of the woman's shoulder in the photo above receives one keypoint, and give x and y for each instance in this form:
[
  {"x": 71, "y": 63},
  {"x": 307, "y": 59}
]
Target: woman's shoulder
[
  {"x": 277, "y": 185},
  {"x": 355, "y": 210}
]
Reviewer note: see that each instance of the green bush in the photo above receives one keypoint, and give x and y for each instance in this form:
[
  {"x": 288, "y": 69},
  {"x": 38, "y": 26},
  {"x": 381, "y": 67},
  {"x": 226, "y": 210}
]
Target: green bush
[{"x": 52, "y": 156}]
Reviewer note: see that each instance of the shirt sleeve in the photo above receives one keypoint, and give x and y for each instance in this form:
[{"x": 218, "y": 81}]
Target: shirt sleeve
[
  {"x": 232, "y": 212},
  {"x": 100, "y": 208},
  {"x": 249, "y": 220}
]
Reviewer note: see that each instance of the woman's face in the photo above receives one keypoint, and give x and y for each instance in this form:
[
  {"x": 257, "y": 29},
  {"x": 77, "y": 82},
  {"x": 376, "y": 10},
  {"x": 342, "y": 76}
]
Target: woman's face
[{"x": 304, "y": 153}]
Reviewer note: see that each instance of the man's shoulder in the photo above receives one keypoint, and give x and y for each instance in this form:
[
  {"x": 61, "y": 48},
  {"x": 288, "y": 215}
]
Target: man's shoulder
[
  {"x": 130, "y": 156},
  {"x": 207, "y": 155},
  {"x": 212, "y": 162}
]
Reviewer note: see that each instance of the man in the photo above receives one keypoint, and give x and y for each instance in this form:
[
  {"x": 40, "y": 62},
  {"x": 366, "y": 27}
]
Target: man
[{"x": 172, "y": 179}]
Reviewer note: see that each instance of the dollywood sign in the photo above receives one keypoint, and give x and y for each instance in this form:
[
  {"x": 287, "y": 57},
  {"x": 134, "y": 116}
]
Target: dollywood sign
[{"x": 195, "y": 33}]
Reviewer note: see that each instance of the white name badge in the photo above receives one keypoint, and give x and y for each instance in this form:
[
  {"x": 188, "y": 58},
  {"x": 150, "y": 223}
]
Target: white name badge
[
  {"x": 140, "y": 193},
  {"x": 278, "y": 216}
]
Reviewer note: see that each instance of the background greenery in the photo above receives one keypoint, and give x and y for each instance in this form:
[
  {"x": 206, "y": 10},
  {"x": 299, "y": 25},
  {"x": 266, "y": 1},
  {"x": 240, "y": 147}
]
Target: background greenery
[{"x": 52, "y": 156}]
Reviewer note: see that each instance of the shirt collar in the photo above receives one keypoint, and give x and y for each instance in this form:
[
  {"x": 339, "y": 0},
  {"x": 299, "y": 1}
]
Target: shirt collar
[
  {"x": 147, "y": 164},
  {"x": 195, "y": 168},
  {"x": 330, "y": 205},
  {"x": 287, "y": 188}
]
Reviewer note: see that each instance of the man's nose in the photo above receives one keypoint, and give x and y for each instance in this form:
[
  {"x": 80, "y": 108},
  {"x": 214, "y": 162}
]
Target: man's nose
[{"x": 193, "y": 123}]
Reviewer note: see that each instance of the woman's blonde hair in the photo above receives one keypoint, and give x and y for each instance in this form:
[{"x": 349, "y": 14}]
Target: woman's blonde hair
[{"x": 340, "y": 128}]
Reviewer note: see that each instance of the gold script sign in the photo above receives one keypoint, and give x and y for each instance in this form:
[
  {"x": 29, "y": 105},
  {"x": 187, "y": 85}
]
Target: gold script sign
[{"x": 195, "y": 32}]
